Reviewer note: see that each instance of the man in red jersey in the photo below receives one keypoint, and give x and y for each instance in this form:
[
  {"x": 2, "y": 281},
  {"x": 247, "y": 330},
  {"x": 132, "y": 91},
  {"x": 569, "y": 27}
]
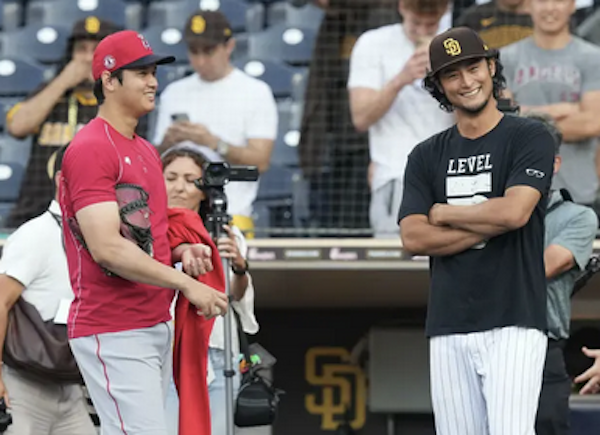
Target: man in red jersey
[{"x": 114, "y": 206}]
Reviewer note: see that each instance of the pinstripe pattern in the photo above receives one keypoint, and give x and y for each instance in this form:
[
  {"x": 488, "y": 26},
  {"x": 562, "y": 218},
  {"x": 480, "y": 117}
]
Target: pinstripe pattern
[{"x": 487, "y": 383}]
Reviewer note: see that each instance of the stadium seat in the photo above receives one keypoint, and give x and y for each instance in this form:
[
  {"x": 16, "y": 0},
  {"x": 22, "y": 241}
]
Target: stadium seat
[
  {"x": 293, "y": 45},
  {"x": 166, "y": 74},
  {"x": 57, "y": 12},
  {"x": 15, "y": 150},
  {"x": 167, "y": 40},
  {"x": 5, "y": 209},
  {"x": 285, "y": 151},
  {"x": 44, "y": 43},
  {"x": 242, "y": 16},
  {"x": 283, "y": 192},
  {"x": 18, "y": 77},
  {"x": 241, "y": 47},
  {"x": 11, "y": 14},
  {"x": 285, "y": 13},
  {"x": 11, "y": 175},
  {"x": 279, "y": 76}
]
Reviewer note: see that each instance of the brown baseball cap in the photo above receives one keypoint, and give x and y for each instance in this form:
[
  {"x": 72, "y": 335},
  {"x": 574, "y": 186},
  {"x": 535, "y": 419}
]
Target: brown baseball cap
[
  {"x": 93, "y": 28},
  {"x": 455, "y": 45},
  {"x": 208, "y": 28}
]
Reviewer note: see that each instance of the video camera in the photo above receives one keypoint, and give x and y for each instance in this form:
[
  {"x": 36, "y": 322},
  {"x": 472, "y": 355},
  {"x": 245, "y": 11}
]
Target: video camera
[
  {"x": 214, "y": 177},
  {"x": 217, "y": 175}
]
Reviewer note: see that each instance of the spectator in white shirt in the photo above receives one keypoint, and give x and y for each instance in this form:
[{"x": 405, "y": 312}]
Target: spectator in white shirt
[
  {"x": 34, "y": 267},
  {"x": 387, "y": 99},
  {"x": 221, "y": 108}
]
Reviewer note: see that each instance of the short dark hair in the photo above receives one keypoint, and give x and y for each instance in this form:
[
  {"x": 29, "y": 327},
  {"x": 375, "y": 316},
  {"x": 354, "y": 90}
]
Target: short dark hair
[
  {"x": 58, "y": 161},
  {"x": 99, "y": 92},
  {"x": 550, "y": 125},
  {"x": 432, "y": 84}
]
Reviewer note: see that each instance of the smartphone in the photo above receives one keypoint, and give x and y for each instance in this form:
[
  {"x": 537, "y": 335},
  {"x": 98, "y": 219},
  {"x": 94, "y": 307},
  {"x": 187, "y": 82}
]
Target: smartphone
[{"x": 180, "y": 117}]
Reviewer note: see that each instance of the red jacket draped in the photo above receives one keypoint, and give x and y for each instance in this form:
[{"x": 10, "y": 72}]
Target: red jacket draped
[{"x": 192, "y": 331}]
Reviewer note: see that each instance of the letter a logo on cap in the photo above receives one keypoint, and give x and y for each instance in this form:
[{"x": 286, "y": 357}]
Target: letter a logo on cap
[
  {"x": 452, "y": 47},
  {"x": 145, "y": 43}
]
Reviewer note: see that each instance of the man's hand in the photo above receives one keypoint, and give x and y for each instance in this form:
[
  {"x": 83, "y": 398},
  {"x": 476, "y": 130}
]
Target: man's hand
[
  {"x": 416, "y": 67},
  {"x": 210, "y": 302},
  {"x": 591, "y": 375},
  {"x": 196, "y": 133},
  {"x": 75, "y": 73},
  {"x": 436, "y": 214},
  {"x": 196, "y": 260}
]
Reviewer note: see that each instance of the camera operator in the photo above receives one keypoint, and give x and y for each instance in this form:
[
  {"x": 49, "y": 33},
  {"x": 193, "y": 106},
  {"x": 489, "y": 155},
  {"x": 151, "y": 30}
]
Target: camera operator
[
  {"x": 34, "y": 267},
  {"x": 221, "y": 108},
  {"x": 570, "y": 232},
  {"x": 182, "y": 168}
]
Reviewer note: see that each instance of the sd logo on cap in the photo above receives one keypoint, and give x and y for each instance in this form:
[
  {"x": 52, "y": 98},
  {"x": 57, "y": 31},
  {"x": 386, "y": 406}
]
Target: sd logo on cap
[{"x": 455, "y": 45}]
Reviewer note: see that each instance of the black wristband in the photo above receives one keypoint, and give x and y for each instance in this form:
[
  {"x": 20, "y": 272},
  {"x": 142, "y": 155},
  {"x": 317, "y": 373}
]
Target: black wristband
[{"x": 240, "y": 272}]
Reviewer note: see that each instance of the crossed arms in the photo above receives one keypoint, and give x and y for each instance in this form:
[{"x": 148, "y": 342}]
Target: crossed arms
[{"x": 450, "y": 229}]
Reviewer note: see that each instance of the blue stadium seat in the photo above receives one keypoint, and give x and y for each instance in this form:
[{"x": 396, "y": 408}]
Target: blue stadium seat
[
  {"x": 240, "y": 51},
  {"x": 57, "y": 12},
  {"x": 293, "y": 45},
  {"x": 279, "y": 76},
  {"x": 282, "y": 192},
  {"x": 300, "y": 82},
  {"x": 285, "y": 13},
  {"x": 15, "y": 150},
  {"x": 242, "y": 16},
  {"x": 167, "y": 40},
  {"x": 276, "y": 183},
  {"x": 5, "y": 209},
  {"x": 11, "y": 175},
  {"x": 18, "y": 77},
  {"x": 44, "y": 43},
  {"x": 167, "y": 74},
  {"x": 285, "y": 151}
]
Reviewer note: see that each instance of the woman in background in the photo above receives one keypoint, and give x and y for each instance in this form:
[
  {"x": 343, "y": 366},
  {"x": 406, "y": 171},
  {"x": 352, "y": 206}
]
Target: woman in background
[{"x": 182, "y": 165}]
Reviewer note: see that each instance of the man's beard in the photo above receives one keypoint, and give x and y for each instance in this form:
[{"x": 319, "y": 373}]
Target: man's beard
[{"x": 473, "y": 111}]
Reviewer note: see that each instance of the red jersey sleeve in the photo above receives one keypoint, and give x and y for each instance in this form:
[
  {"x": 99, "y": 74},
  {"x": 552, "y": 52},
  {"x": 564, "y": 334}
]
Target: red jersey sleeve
[{"x": 91, "y": 170}]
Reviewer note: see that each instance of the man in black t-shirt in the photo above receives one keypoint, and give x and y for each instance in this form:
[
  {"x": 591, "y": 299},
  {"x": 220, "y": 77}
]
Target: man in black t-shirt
[
  {"x": 499, "y": 22},
  {"x": 474, "y": 201}
]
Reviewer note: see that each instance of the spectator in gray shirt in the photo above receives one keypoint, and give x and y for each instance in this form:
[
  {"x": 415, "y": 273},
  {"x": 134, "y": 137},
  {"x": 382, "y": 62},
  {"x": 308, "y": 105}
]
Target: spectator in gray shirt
[
  {"x": 556, "y": 73},
  {"x": 569, "y": 240}
]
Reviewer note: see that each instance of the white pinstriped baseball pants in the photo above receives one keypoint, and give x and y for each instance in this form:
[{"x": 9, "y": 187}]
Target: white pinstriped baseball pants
[{"x": 487, "y": 383}]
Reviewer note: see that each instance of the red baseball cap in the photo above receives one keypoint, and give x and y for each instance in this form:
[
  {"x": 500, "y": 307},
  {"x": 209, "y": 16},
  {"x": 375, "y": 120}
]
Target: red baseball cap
[{"x": 126, "y": 49}]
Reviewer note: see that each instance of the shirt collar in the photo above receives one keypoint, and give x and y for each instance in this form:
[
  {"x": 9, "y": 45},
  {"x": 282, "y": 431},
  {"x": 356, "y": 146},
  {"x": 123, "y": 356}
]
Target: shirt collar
[{"x": 54, "y": 208}]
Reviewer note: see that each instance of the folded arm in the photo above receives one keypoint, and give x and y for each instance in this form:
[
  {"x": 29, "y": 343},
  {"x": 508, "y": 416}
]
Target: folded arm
[
  {"x": 507, "y": 213},
  {"x": 557, "y": 260},
  {"x": 420, "y": 237},
  {"x": 585, "y": 123}
]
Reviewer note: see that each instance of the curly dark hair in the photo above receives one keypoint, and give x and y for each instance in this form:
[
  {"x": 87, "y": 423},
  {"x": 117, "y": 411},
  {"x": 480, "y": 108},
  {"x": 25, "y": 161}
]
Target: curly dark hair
[
  {"x": 199, "y": 160},
  {"x": 431, "y": 83}
]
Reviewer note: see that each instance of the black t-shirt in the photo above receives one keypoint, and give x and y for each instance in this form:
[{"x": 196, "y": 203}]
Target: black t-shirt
[
  {"x": 501, "y": 283},
  {"x": 497, "y": 28}
]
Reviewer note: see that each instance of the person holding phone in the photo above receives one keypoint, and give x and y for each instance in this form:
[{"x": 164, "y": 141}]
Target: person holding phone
[{"x": 230, "y": 114}]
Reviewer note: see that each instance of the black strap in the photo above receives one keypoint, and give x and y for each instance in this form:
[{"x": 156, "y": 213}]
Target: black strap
[
  {"x": 58, "y": 220},
  {"x": 244, "y": 347}
]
